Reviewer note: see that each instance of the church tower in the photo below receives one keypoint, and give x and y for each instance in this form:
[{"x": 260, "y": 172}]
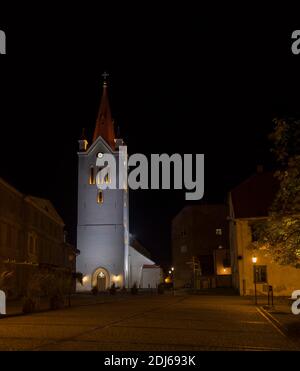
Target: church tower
[{"x": 102, "y": 230}]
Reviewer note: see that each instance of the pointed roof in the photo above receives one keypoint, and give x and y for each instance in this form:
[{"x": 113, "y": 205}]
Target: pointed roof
[{"x": 104, "y": 124}]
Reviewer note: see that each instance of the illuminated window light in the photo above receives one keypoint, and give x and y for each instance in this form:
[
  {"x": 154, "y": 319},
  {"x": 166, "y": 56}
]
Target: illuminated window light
[
  {"x": 100, "y": 197},
  {"x": 107, "y": 179},
  {"x": 92, "y": 175}
]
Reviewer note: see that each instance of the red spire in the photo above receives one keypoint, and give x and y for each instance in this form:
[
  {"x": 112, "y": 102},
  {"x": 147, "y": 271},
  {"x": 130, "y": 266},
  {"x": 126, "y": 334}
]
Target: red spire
[{"x": 104, "y": 124}]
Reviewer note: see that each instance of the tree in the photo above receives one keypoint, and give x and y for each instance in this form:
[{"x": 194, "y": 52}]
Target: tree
[{"x": 279, "y": 234}]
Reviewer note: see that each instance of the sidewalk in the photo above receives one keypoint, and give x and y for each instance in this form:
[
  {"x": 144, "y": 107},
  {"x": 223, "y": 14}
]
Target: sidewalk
[{"x": 281, "y": 315}]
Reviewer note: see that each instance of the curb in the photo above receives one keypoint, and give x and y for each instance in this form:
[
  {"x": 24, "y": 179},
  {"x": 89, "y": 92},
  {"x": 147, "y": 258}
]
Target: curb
[
  {"x": 279, "y": 327},
  {"x": 275, "y": 321}
]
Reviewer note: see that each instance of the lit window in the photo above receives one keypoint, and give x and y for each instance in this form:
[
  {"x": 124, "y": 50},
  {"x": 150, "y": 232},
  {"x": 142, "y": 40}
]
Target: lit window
[
  {"x": 219, "y": 231},
  {"x": 92, "y": 175},
  {"x": 107, "y": 178},
  {"x": 261, "y": 273},
  {"x": 100, "y": 197},
  {"x": 103, "y": 179}
]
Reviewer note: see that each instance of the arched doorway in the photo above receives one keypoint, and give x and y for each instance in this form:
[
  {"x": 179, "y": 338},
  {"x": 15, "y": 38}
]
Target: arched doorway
[{"x": 100, "y": 279}]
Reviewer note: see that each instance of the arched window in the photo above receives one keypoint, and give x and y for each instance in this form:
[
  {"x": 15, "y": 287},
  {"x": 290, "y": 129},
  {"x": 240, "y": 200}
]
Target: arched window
[
  {"x": 103, "y": 179},
  {"x": 92, "y": 175},
  {"x": 100, "y": 196},
  {"x": 107, "y": 177}
]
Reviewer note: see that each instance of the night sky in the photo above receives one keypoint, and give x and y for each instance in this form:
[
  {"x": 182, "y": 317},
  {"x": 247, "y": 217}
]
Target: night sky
[{"x": 181, "y": 81}]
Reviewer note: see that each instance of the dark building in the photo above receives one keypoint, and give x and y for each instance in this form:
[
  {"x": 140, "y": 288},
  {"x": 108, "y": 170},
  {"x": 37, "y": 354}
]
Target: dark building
[
  {"x": 32, "y": 238},
  {"x": 200, "y": 247}
]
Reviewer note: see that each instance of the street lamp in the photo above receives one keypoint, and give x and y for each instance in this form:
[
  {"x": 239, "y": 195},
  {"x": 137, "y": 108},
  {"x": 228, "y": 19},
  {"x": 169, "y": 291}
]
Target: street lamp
[
  {"x": 254, "y": 260},
  {"x": 171, "y": 271}
]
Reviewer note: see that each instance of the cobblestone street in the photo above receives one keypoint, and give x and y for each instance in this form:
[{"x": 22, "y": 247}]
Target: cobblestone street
[{"x": 147, "y": 323}]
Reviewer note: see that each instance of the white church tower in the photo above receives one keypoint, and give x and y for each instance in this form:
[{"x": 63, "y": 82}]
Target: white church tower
[{"x": 102, "y": 230}]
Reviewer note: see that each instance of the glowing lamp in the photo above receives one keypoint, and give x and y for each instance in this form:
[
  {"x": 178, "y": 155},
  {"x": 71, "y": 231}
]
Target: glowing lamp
[{"x": 85, "y": 279}]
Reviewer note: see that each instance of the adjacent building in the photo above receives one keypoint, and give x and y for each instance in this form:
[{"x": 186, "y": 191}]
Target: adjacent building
[
  {"x": 200, "y": 247},
  {"x": 249, "y": 202},
  {"x": 32, "y": 238}
]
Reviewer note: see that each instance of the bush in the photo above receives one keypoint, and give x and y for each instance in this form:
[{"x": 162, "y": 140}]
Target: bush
[
  {"x": 160, "y": 289},
  {"x": 113, "y": 289},
  {"x": 94, "y": 290},
  {"x": 134, "y": 290},
  {"x": 56, "y": 301},
  {"x": 123, "y": 290}
]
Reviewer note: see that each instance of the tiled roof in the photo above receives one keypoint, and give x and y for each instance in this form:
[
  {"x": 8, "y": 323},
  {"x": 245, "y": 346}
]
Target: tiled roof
[{"x": 104, "y": 124}]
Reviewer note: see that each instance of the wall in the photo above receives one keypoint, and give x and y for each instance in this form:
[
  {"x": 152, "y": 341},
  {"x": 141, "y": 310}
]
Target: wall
[
  {"x": 136, "y": 262},
  {"x": 101, "y": 246},
  {"x": 194, "y": 234},
  {"x": 102, "y": 231},
  {"x": 284, "y": 279},
  {"x": 151, "y": 277},
  {"x": 29, "y": 237}
]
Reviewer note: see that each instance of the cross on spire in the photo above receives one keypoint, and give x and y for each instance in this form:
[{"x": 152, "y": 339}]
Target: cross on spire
[{"x": 105, "y": 75}]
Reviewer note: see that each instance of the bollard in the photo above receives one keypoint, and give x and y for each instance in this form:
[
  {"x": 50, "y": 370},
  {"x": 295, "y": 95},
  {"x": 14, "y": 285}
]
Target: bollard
[{"x": 270, "y": 295}]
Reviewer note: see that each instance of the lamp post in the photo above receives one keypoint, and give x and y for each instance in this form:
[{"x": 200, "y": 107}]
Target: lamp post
[
  {"x": 173, "y": 276},
  {"x": 254, "y": 260}
]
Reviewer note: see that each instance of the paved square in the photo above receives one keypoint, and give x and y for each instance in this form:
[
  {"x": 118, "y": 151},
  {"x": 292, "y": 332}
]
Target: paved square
[{"x": 147, "y": 323}]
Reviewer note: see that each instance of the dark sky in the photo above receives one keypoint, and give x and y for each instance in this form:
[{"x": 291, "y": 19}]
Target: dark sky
[{"x": 181, "y": 81}]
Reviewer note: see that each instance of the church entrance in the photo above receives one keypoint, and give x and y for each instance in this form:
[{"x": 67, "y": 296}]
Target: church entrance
[{"x": 100, "y": 279}]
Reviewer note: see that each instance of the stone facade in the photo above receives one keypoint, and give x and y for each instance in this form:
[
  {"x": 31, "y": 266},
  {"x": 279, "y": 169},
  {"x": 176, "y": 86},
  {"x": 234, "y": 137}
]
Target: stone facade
[{"x": 31, "y": 238}]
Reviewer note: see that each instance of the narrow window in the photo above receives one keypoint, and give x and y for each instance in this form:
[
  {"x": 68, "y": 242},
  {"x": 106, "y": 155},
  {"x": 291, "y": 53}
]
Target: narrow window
[
  {"x": 92, "y": 175},
  {"x": 254, "y": 232},
  {"x": 100, "y": 197},
  {"x": 107, "y": 178}
]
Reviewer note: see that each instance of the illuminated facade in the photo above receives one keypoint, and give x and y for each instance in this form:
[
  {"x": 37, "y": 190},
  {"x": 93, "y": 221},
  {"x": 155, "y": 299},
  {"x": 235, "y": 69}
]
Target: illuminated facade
[
  {"x": 250, "y": 202},
  {"x": 103, "y": 216}
]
